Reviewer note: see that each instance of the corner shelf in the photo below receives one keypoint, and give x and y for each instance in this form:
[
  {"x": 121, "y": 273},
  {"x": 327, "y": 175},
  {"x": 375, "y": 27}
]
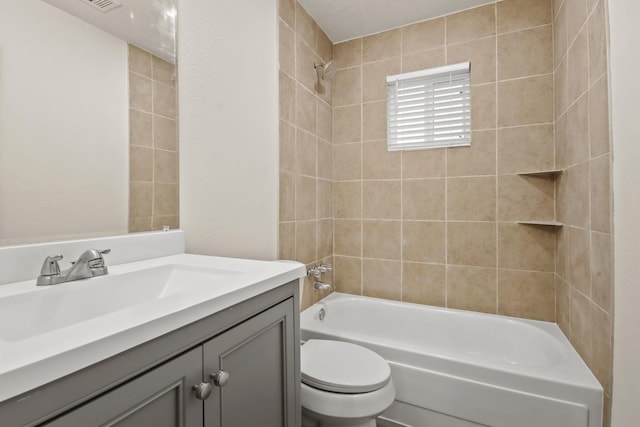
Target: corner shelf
[
  {"x": 552, "y": 173},
  {"x": 554, "y": 224}
]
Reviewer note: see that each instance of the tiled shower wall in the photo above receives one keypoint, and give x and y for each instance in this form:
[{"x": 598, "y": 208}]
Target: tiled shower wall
[
  {"x": 306, "y": 214},
  {"x": 584, "y": 286},
  {"x": 153, "y": 143},
  {"x": 438, "y": 226}
]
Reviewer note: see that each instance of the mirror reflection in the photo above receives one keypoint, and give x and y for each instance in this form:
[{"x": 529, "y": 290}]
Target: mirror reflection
[{"x": 88, "y": 111}]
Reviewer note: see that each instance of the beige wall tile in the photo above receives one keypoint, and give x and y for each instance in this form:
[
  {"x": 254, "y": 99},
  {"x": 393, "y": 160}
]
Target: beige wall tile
[
  {"x": 140, "y": 199},
  {"x": 347, "y": 124},
  {"x": 577, "y": 190},
  {"x": 597, "y": 43},
  {"x": 423, "y": 199},
  {"x": 601, "y": 284},
  {"x": 324, "y": 46},
  {"x": 347, "y": 199},
  {"x": 287, "y": 88},
  {"x": 140, "y": 92},
  {"x": 287, "y": 241},
  {"x": 527, "y": 294},
  {"x": 525, "y": 53},
  {"x": 287, "y": 147},
  {"x": 423, "y": 283},
  {"x": 381, "y": 199},
  {"x": 159, "y": 222},
  {"x": 347, "y": 161},
  {"x": 562, "y": 253},
  {"x": 577, "y": 144},
  {"x": 381, "y": 46},
  {"x": 164, "y": 100},
  {"x": 324, "y": 242},
  {"x": 478, "y": 159},
  {"x": 165, "y": 134},
  {"x": 306, "y": 241},
  {"x": 563, "y": 306},
  {"x": 140, "y": 128},
  {"x": 305, "y": 109},
  {"x": 525, "y": 198},
  {"x": 471, "y": 243},
  {"x": 423, "y": 163},
  {"x": 305, "y": 26},
  {"x": 325, "y": 198},
  {"x": 347, "y": 236},
  {"x": 287, "y": 48},
  {"x": 140, "y": 224},
  {"x": 374, "y": 121},
  {"x": 348, "y": 54},
  {"x": 325, "y": 122},
  {"x": 483, "y": 107},
  {"x": 561, "y": 95},
  {"x": 348, "y": 275},
  {"x": 287, "y": 199},
  {"x": 576, "y": 17},
  {"x": 525, "y": 101},
  {"x": 560, "y": 35},
  {"x": 305, "y": 60},
  {"x": 163, "y": 71},
  {"x": 374, "y": 78},
  {"x": 601, "y": 360},
  {"x": 600, "y": 194},
  {"x": 599, "y": 117},
  {"x": 305, "y": 198},
  {"x": 325, "y": 159},
  {"x": 347, "y": 87},
  {"x": 580, "y": 319},
  {"x": 381, "y": 239},
  {"x": 381, "y": 279},
  {"x": 140, "y": 163},
  {"x": 423, "y": 35},
  {"x": 514, "y": 15},
  {"x": 482, "y": 55},
  {"x": 140, "y": 61},
  {"x": 165, "y": 199},
  {"x": 424, "y": 59},
  {"x": 471, "y": 199},
  {"x": 578, "y": 66},
  {"x": 165, "y": 167},
  {"x": 423, "y": 241},
  {"x": 472, "y": 288},
  {"x": 525, "y": 247},
  {"x": 523, "y": 149},
  {"x": 287, "y": 11},
  {"x": 471, "y": 24},
  {"x": 305, "y": 153},
  {"x": 378, "y": 163}
]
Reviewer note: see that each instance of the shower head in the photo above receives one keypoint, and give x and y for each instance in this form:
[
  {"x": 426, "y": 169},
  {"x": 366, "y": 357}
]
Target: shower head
[{"x": 326, "y": 71}]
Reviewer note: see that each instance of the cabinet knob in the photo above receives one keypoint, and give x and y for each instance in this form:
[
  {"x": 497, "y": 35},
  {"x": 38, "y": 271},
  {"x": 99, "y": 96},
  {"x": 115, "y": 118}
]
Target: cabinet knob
[
  {"x": 220, "y": 378},
  {"x": 203, "y": 390}
]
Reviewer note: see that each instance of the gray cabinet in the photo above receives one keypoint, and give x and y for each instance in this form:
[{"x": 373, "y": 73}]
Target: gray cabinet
[{"x": 255, "y": 344}]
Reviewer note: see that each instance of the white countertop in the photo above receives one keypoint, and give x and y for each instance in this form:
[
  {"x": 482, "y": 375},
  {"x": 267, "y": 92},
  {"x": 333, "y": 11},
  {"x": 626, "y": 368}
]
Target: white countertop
[{"x": 39, "y": 358}]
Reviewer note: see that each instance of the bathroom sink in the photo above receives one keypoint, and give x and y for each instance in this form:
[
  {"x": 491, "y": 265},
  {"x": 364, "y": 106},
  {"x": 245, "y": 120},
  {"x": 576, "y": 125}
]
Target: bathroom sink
[{"x": 43, "y": 310}]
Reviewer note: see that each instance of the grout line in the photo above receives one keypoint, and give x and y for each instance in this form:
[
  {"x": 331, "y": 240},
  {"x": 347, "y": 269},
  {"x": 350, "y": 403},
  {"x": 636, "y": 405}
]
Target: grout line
[{"x": 497, "y": 252}]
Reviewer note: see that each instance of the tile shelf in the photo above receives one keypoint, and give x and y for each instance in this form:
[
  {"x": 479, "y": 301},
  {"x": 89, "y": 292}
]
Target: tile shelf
[
  {"x": 551, "y": 173},
  {"x": 542, "y": 223}
]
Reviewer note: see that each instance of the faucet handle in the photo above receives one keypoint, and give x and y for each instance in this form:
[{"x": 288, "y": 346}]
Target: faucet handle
[
  {"x": 50, "y": 266},
  {"x": 325, "y": 268}
]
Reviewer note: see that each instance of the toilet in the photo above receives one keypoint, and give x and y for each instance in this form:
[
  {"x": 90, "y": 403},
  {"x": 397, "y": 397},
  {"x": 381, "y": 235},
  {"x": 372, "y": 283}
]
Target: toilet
[{"x": 343, "y": 384}]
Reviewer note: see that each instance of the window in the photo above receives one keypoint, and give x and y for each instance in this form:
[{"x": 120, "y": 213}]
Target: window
[{"x": 429, "y": 108}]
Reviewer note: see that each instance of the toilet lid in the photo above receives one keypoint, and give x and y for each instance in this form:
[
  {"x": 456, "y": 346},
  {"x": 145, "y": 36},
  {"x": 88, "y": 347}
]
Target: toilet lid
[{"x": 342, "y": 367}]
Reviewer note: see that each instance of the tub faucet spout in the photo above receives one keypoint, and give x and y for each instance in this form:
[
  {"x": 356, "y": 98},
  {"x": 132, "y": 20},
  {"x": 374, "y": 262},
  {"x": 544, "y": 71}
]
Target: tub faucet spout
[{"x": 322, "y": 286}]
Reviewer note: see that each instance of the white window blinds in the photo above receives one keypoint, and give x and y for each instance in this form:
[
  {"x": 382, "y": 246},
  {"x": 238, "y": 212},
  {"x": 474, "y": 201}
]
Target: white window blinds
[{"x": 429, "y": 108}]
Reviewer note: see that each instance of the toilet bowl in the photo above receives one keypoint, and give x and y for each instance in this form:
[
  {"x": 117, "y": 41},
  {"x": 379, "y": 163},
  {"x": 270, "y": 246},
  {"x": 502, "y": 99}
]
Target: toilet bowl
[{"x": 343, "y": 384}]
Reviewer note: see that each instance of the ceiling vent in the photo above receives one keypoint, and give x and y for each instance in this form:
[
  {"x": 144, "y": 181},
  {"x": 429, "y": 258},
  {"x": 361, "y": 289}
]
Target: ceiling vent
[{"x": 103, "y": 6}]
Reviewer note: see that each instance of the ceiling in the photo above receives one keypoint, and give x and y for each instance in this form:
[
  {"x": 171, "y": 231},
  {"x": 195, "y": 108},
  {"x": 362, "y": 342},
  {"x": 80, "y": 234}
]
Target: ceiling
[
  {"x": 148, "y": 24},
  {"x": 344, "y": 20}
]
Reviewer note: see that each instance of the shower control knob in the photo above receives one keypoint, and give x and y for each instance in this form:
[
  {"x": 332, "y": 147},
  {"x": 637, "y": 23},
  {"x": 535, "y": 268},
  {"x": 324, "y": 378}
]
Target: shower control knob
[
  {"x": 203, "y": 390},
  {"x": 220, "y": 378}
]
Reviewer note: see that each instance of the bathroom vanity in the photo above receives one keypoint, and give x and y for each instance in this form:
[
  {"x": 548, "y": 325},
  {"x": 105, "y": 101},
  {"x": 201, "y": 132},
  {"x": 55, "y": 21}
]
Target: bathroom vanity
[{"x": 222, "y": 352}]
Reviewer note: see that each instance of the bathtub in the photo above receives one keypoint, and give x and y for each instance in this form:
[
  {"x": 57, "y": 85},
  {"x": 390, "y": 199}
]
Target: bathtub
[{"x": 454, "y": 368}]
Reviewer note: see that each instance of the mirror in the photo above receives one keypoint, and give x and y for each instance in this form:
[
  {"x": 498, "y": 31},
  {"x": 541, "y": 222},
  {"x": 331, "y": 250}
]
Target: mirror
[{"x": 88, "y": 135}]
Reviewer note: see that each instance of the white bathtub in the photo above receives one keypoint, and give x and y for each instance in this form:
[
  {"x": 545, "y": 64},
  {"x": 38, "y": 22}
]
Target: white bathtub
[{"x": 455, "y": 368}]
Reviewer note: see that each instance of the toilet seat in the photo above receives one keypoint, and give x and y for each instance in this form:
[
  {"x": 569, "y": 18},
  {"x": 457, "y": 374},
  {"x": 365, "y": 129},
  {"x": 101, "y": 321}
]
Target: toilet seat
[{"x": 337, "y": 366}]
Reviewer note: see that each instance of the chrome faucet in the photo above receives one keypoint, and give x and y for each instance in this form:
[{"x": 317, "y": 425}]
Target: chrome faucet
[{"x": 89, "y": 264}]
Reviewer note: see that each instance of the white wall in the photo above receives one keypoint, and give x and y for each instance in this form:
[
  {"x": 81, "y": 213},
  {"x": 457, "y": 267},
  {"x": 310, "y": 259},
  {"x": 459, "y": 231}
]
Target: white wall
[
  {"x": 228, "y": 77},
  {"x": 625, "y": 116},
  {"x": 64, "y": 162}
]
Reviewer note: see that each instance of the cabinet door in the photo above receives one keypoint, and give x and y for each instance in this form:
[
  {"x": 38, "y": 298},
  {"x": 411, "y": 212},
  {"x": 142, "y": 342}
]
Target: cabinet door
[
  {"x": 259, "y": 358},
  {"x": 162, "y": 397}
]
